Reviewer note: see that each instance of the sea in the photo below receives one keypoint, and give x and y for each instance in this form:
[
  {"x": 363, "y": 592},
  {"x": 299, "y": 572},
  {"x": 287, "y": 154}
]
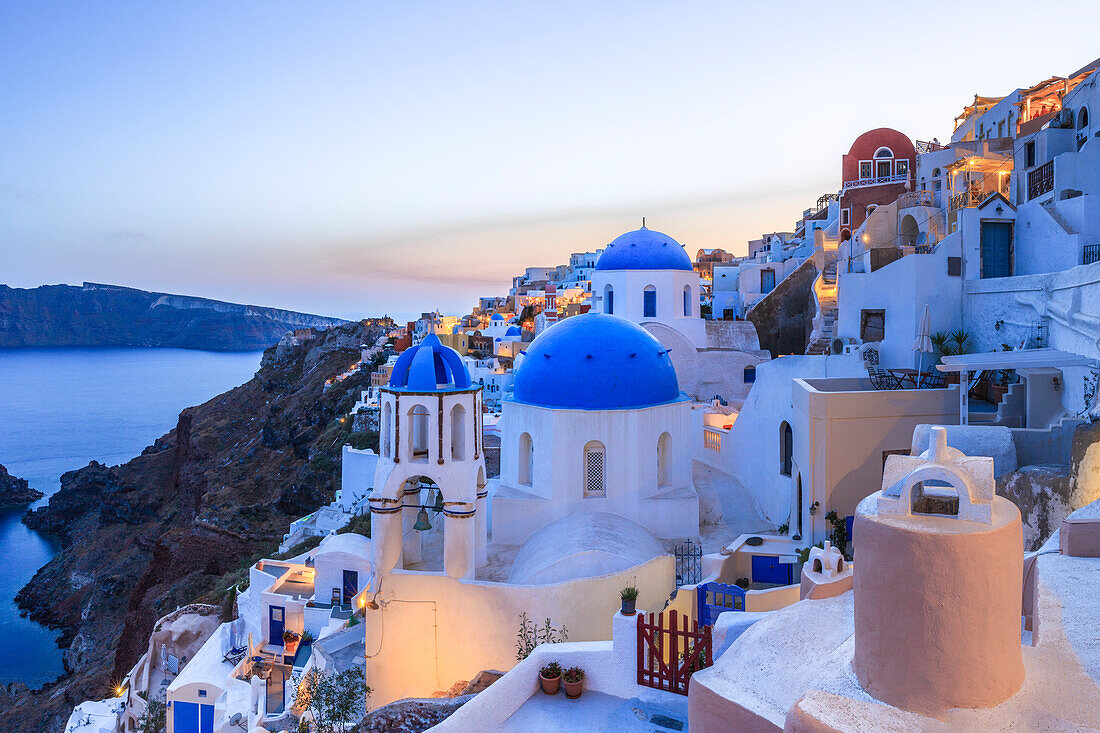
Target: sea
[{"x": 59, "y": 410}]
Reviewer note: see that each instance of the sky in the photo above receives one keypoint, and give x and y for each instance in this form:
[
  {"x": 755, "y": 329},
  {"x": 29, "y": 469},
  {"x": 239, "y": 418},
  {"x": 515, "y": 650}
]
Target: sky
[{"x": 355, "y": 159}]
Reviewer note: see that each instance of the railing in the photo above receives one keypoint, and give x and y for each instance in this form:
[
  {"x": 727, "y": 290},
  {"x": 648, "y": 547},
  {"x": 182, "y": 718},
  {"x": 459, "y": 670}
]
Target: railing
[
  {"x": 1040, "y": 180},
  {"x": 967, "y": 199},
  {"x": 1090, "y": 254},
  {"x": 712, "y": 440},
  {"x": 925, "y": 146},
  {"x": 915, "y": 198},
  {"x": 880, "y": 181}
]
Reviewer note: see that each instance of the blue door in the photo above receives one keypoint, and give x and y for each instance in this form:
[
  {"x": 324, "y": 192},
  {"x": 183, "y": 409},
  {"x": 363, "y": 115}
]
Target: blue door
[
  {"x": 190, "y": 717},
  {"x": 185, "y": 717},
  {"x": 996, "y": 249},
  {"x": 767, "y": 281},
  {"x": 351, "y": 586},
  {"x": 275, "y": 624},
  {"x": 768, "y": 569}
]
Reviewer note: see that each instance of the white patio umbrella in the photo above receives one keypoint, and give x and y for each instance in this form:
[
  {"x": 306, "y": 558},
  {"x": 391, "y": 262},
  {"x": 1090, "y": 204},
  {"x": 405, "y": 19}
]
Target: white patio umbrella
[{"x": 923, "y": 344}]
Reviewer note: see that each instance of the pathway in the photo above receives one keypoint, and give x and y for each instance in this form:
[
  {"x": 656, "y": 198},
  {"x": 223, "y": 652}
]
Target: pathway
[{"x": 594, "y": 711}]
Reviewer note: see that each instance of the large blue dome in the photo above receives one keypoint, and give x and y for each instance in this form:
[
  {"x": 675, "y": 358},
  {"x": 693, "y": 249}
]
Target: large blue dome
[
  {"x": 644, "y": 249},
  {"x": 429, "y": 367},
  {"x": 596, "y": 362}
]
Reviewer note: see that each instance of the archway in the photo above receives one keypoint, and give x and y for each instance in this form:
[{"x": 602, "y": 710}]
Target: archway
[
  {"x": 608, "y": 299},
  {"x": 525, "y": 460},
  {"x": 418, "y": 434},
  {"x": 422, "y": 532},
  {"x": 458, "y": 433},
  {"x": 664, "y": 460},
  {"x": 908, "y": 231}
]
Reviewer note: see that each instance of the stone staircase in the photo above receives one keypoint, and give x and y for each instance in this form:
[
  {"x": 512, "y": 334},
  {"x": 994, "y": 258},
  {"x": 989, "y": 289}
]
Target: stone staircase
[{"x": 825, "y": 291}]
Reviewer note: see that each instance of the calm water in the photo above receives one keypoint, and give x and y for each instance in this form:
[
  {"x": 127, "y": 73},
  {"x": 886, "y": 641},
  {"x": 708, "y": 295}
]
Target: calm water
[{"x": 60, "y": 409}]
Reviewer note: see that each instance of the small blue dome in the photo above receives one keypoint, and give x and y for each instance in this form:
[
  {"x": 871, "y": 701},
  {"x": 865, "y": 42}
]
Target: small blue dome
[
  {"x": 497, "y": 317},
  {"x": 644, "y": 249},
  {"x": 457, "y": 328},
  {"x": 514, "y": 331},
  {"x": 596, "y": 362},
  {"x": 429, "y": 367}
]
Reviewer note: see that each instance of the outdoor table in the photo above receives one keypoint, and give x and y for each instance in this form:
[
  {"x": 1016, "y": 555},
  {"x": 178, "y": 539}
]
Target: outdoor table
[{"x": 905, "y": 377}]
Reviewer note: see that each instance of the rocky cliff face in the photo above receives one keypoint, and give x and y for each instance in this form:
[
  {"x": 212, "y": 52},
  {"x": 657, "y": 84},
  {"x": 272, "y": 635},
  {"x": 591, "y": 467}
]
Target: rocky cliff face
[
  {"x": 15, "y": 491},
  {"x": 108, "y": 315},
  {"x": 169, "y": 527}
]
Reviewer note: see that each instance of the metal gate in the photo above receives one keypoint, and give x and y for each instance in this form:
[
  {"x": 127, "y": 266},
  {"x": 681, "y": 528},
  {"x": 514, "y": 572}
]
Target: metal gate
[
  {"x": 716, "y": 598},
  {"x": 669, "y": 654},
  {"x": 689, "y": 563}
]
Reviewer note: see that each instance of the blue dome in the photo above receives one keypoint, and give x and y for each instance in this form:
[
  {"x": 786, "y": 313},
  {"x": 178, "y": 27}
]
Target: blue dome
[
  {"x": 644, "y": 249},
  {"x": 429, "y": 367},
  {"x": 497, "y": 317},
  {"x": 596, "y": 362},
  {"x": 514, "y": 331}
]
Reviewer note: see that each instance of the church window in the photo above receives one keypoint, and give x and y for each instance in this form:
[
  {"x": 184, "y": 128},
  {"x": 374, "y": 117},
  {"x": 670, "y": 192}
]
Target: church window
[
  {"x": 687, "y": 300},
  {"x": 458, "y": 433},
  {"x": 608, "y": 299},
  {"x": 594, "y": 484},
  {"x": 418, "y": 435},
  {"x": 387, "y": 431},
  {"x": 786, "y": 449},
  {"x": 664, "y": 469},
  {"x": 526, "y": 460},
  {"x": 649, "y": 302}
]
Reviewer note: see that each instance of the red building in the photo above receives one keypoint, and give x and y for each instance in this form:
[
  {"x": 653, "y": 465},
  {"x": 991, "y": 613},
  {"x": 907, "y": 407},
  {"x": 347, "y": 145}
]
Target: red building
[{"x": 875, "y": 171}]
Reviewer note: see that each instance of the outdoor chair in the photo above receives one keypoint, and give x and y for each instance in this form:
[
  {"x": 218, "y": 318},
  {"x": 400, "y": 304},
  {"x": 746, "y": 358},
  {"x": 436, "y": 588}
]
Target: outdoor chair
[
  {"x": 932, "y": 380},
  {"x": 881, "y": 379},
  {"x": 235, "y": 654}
]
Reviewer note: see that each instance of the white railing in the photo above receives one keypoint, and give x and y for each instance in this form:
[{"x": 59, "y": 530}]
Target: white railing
[
  {"x": 712, "y": 440},
  {"x": 882, "y": 180}
]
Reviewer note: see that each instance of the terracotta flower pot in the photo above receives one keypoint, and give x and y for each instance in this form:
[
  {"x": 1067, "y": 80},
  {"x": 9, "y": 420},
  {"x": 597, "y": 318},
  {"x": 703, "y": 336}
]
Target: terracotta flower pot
[
  {"x": 549, "y": 684},
  {"x": 573, "y": 689}
]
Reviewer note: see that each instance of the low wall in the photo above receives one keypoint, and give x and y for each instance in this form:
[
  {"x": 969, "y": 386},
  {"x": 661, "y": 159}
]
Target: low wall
[
  {"x": 432, "y": 630},
  {"x": 609, "y": 667}
]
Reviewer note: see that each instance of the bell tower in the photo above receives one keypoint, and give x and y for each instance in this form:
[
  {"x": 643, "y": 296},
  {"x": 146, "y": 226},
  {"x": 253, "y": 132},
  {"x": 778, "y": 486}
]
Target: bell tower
[{"x": 431, "y": 460}]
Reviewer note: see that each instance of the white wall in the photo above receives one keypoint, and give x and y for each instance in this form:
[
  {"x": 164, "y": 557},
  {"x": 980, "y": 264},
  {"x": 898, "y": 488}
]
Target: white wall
[
  {"x": 902, "y": 289},
  {"x": 629, "y": 286},
  {"x": 630, "y": 439},
  {"x": 432, "y": 630},
  {"x": 751, "y": 449}
]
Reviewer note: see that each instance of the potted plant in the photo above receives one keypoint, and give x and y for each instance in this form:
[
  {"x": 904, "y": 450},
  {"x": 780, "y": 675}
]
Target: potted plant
[
  {"x": 550, "y": 678},
  {"x": 573, "y": 680},
  {"x": 629, "y": 596},
  {"x": 290, "y": 642}
]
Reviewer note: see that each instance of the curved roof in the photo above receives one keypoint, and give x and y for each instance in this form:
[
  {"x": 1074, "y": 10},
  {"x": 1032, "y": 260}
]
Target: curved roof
[
  {"x": 347, "y": 542},
  {"x": 496, "y": 317},
  {"x": 428, "y": 367},
  {"x": 644, "y": 249},
  {"x": 583, "y": 545},
  {"x": 513, "y": 331},
  {"x": 596, "y": 361}
]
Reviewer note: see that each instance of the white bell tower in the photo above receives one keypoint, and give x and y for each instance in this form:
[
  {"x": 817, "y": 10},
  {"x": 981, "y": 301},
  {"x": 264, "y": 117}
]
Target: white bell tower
[{"x": 430, "y": 451}]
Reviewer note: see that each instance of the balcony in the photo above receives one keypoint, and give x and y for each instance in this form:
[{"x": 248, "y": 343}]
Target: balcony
[
  {"x": 924, "y": 146},
  {"x": 1040, "y": 180},
  {"x": 881, "y": 181},
  {"x": 915, "y": 198}
]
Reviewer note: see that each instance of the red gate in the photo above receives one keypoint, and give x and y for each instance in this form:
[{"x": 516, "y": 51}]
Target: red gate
[{"x": 669, "y": 655}]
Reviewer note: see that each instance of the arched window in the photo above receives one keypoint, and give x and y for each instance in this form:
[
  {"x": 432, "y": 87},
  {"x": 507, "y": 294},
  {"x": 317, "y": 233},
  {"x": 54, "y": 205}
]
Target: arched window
[
  {"x": 687, "y": 300},
  {"x": 649, "y": 302},
  {"x": 608, "y": 299},
  {"x": 418, "y": 434},
  {"x": 526, "y": 460},
  {"x": 664, "y": 460},
  {"x": 387, "y": 430},
  {"x": 594, "y": 484},
  {"x": 786, "y": 448},
  {"x": 884, "y": 153},
  {"x": 1083, "y": 118},
  {"x": 458, "y": 433},
  {"x": 883, "y": 162},
  {"x": 750, "y": 374}
]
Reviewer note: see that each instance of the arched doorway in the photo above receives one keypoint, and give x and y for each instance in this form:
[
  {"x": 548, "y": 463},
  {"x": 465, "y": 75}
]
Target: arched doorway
[{"x": 908, "y": 231}]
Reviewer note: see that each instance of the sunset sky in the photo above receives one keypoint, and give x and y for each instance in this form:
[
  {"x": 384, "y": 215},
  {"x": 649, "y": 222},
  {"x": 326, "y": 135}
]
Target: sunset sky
[{"x": 353, "y": 159}]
